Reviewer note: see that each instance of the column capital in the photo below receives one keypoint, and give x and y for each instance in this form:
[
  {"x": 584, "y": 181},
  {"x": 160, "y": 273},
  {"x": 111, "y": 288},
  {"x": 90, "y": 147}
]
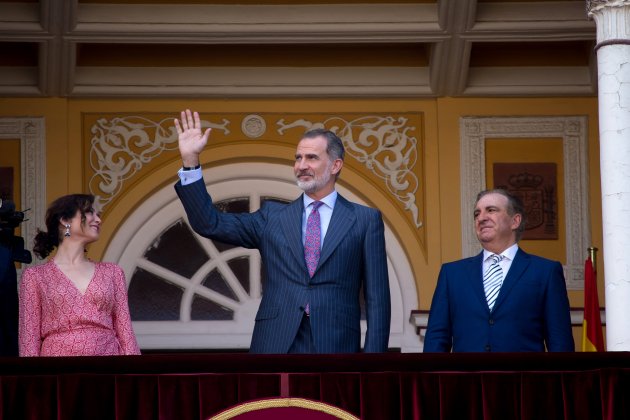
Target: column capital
[
  {"x": 594, "y": 5},
  {"x": 611, "y": 18}
]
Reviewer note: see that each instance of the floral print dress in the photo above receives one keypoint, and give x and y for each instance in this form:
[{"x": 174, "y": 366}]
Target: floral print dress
[{"x": 56, "y": 319}]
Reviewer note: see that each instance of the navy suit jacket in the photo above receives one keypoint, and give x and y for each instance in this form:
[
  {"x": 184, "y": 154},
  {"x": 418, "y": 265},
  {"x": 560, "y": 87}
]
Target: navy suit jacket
[
  {"x": 353, "y": 256},
  {"x": 530, "y": 313}
]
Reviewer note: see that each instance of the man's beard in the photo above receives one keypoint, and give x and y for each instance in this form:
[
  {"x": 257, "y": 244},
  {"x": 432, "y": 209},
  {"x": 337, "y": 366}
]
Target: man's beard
[{"x": 314, "y": 184}]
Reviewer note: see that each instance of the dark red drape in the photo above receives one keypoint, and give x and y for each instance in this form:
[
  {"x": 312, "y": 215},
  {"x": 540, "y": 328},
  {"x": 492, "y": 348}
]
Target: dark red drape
[{"x": 408, "y": 386}]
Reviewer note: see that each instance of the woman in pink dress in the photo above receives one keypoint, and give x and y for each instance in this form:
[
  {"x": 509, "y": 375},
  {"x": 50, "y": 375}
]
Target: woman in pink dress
[{"x": 72, "y": 306}]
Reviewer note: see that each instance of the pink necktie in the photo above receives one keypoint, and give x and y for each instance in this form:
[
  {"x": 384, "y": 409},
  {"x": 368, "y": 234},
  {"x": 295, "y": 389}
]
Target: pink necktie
[{"x": 313, "y": 239}]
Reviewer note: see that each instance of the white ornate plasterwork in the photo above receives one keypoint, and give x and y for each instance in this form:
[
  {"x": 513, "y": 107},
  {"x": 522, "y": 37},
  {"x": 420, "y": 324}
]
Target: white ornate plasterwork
[
  {"x": 573, "y": 132},
  {"x": 383, "y": 145},
  {"x": 121, "y": 146},
  {"x": 32, "y": 136}
]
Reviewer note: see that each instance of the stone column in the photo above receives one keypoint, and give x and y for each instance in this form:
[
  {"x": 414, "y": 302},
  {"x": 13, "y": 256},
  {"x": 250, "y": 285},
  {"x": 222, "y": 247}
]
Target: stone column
[{"x": 613, "y": 60}]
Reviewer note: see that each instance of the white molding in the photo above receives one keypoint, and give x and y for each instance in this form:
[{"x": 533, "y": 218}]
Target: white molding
[
  {"x": 573, "y": 132},
  {"x": 577, "y": 316},
  {"x": 31, "y": 132}
]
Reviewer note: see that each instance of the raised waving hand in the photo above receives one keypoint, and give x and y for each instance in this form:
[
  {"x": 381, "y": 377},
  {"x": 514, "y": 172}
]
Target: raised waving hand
[{"x": 191, "y": 139}]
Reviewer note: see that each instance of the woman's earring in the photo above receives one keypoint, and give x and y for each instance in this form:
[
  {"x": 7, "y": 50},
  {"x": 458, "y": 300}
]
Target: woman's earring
[{"x": 67, "y": 232}]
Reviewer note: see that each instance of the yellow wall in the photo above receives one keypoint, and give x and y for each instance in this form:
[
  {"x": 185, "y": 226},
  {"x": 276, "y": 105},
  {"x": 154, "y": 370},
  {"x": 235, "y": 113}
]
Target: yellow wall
[
  {"x": 67, "y": 144},
  {"x": 449, "y": 112},
  {"x": 534, "y": 151}
]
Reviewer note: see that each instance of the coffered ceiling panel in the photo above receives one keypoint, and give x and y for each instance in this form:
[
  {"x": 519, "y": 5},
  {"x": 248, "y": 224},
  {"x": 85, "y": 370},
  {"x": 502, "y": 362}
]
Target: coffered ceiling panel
[{"x": 197, "y": 48}]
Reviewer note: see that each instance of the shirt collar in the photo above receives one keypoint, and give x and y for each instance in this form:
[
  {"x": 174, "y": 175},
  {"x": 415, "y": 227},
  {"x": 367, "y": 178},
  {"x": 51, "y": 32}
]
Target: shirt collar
[
  {"x": 329, "y": 200},
  {"x": 509, "y": 253}
]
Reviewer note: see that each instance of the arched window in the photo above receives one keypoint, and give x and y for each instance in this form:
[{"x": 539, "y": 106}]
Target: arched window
[{"x": 189, "y": 292}]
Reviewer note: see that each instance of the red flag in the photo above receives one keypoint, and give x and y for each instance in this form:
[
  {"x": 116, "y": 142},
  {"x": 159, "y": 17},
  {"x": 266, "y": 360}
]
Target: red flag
[{"x": 592, "y": 337}]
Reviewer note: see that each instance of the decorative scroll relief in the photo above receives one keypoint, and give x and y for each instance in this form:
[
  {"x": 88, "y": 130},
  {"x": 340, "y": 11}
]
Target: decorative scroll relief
[
  {"x": 383, "y": 145},
  {"x": 121, "y": 146},
  {"x": 573, "y": 132}
]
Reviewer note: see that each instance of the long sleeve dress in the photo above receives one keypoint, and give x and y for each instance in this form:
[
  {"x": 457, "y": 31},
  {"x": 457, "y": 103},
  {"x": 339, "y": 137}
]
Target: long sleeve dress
[{"x": 56, "y": 319}]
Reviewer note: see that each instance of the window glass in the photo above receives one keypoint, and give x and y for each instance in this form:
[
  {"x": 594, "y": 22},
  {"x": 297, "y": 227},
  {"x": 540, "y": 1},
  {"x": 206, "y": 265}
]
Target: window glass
[
  {"x": 177, "y": 250},
  {"x": 153, "y": 299}
]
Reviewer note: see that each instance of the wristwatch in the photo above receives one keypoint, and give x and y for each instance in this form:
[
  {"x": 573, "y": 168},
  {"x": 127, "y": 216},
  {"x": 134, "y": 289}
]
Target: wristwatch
[{"x": 191, "y": 168}]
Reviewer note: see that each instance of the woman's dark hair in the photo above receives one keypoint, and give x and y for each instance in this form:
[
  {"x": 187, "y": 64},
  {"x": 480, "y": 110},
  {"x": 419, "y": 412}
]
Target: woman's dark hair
[{"x": 64, "y": 207}]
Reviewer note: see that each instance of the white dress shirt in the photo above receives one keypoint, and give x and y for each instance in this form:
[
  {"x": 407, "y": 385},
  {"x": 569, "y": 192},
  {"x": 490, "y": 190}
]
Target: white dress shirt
[
  {"x": 189, "y": 176},
  {"x": 506, "y": 262}
]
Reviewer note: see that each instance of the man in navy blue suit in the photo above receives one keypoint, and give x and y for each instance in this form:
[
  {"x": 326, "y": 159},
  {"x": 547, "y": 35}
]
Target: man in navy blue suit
[
  {"x": 318, "y": 252},
  {"x": 503, "y": 299}
]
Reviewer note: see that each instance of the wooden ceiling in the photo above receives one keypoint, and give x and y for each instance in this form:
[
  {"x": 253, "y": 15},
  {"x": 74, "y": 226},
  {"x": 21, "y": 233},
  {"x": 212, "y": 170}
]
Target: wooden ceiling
[{"x": 352, "y": 48}]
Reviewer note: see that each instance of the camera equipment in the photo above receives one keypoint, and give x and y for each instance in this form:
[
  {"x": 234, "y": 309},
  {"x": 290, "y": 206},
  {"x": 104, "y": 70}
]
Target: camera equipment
[{"x": 9, "y": 220}]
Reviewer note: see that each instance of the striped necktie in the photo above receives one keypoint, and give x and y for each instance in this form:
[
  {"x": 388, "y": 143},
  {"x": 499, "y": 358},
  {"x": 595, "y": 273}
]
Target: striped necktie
[{"x": 492, "y": 279}]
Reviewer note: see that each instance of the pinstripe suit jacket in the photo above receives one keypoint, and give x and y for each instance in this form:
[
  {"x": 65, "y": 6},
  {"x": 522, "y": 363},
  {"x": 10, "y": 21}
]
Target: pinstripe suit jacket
[
  {"x": 353, "y": 255},
  {"x": 530, "y": 313}
]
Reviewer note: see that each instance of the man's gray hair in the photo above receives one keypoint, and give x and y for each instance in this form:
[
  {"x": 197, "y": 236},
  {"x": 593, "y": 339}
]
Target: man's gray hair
[{"x": 334, "y": 147}]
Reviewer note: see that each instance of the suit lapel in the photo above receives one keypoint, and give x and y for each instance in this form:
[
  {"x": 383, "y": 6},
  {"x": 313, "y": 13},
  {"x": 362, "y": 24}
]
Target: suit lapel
[
  {"x": 341, "y": 221},
  {"x": 520, "y": 263},
  {"x": 292, "y": 228},
  {"x": 475, "y": 274}
]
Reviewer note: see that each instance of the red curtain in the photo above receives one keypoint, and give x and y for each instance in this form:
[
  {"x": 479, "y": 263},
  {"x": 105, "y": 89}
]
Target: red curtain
[{"x": 558, "y": 386}]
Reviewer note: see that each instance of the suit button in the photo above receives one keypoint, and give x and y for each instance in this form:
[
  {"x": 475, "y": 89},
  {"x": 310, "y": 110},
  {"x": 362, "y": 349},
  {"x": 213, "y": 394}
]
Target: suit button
[
  {"x": 310, "y": 287},
  {"x": 488, "y": 348},
  {"x": 491, "y": 321}
]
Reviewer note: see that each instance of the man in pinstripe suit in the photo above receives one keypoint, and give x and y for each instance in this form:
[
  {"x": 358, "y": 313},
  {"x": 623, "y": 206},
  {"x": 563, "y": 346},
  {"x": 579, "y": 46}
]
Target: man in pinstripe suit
[{"x": 301, "y": 312}]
